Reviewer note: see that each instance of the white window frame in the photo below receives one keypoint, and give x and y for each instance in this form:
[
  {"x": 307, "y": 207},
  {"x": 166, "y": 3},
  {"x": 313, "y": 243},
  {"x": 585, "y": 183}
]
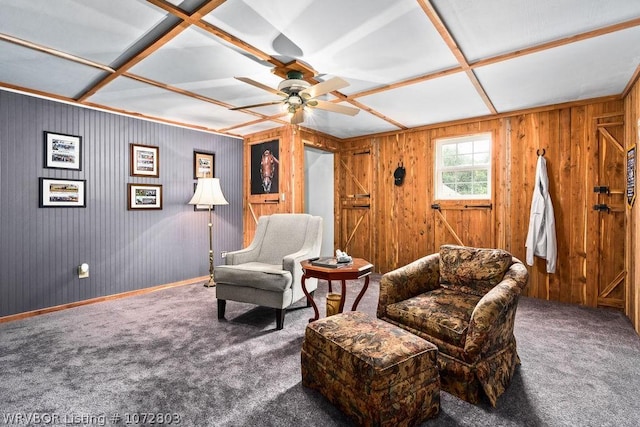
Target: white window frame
[{"x": 440, "y": 168}]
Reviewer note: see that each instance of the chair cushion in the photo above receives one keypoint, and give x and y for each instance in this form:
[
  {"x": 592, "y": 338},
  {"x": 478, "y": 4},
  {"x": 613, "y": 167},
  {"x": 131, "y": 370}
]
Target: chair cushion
[
  {"x": 442, "y": 313},
  {"x": 472, "y": 270},
  {"x": 269, "y": 277}
]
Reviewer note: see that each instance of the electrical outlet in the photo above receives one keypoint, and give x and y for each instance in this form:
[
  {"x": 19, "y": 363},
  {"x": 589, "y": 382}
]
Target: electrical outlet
[
  {"x": 83, "y": 271},
  {"x": 223, "y": 254}
]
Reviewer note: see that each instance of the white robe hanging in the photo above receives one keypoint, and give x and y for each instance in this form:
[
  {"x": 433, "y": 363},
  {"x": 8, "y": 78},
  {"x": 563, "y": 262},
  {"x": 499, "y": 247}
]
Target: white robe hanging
[{"x": 541, "y": 238}]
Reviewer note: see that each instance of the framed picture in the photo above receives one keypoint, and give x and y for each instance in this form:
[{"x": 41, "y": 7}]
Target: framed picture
[
  {"x": 144, "y": 197},
  {"x": 201, "y": 207},
  {"x": 203, "y": 164},
  {"x": 63, "y": 193},
  {"x": 62, "y": 151},
  {"x": 265, "y": 167},
  {"x": 145, "y": 160}
]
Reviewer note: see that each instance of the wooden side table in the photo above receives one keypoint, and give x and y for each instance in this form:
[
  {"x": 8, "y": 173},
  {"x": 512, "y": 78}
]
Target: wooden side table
[{"x": 358, "y": 269}]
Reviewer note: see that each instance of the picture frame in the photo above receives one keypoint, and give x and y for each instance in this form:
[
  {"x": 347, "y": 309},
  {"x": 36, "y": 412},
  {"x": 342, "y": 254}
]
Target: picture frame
[
  {"x": 144, "y": 197},
  {"x": 265, "y": 168},
  {"x": 198, "y": 208},
  {"x": 144, "y": 160},
  {"x": 62, "y": 193},
  {"x": 62, "y": 151},
  {"x": 203, "y": 164}
]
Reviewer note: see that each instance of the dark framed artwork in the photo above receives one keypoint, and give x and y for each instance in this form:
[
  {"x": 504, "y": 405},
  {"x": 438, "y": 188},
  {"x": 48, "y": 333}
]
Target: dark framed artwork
[
  {"x": 144, "y": 197},
  {"x": 62, "y": 151},
  {"x": 145, "y": 160},
  {"x": 62, "y": 193},
  {"x": 265, "y": 174},
  {"x": 203, "y": 164}
]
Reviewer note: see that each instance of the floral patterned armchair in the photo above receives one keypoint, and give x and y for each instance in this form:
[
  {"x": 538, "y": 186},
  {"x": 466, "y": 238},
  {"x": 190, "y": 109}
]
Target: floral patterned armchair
[{"x": 464, "y": 301}]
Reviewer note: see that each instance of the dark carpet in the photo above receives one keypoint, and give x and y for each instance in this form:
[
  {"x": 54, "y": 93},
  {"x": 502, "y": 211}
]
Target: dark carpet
[{"x": 164, "y": 358}]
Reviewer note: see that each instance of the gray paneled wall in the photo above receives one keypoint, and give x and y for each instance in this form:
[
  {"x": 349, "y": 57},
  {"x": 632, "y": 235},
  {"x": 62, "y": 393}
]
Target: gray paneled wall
[{"x": 126, "y": 250}]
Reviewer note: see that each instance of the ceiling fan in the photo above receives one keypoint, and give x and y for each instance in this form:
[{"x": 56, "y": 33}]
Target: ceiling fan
[{"x": 297, "y": 94}]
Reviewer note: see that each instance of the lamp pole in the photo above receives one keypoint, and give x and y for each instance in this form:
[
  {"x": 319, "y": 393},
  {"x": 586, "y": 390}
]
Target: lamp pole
[{"x": 211, "y": 282}]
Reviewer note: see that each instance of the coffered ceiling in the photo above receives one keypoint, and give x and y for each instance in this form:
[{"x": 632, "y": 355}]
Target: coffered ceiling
[{"x": 409, "y": 63}]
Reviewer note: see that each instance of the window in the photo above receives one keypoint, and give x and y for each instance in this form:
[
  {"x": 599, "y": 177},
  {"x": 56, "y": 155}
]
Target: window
[{"x": 463, "y": 167}]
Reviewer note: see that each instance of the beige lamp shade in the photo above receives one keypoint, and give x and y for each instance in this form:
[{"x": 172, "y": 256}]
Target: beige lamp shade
[{"x": 208, "y": 193}]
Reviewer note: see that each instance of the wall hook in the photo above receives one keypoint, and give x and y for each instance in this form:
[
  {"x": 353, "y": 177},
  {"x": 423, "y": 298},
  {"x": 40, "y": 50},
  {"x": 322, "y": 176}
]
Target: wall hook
[{"x": 541, "y": 154}]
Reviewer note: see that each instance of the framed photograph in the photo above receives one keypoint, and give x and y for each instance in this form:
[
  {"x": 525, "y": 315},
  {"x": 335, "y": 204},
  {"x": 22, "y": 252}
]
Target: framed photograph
[
  {"x": 63, "y": 193},
  {"x": 201, "y": 207},
  {"x": 145, "y": 160},
  {"x": 265, "y": 167},
  {"x": 62, "y": 151},
  {"x": 203, "y": 165},
  {"x": 144, "y": 197}
]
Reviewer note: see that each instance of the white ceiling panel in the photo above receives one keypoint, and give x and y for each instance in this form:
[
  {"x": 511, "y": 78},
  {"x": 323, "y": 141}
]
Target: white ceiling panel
[
  {"x": 398, "y": 57},
  {"x": 97, "y": 30},
  {"x": 369, "y": 41},
  {"x": 211, "y": 71},
  {"x": 343, "y": 126},
  {"x": 588, "y": 69},
  {"x": 24, "y": 67},
  {"x": 438, "y": 100},
  {"x": 255, "y": 128},
  {"x": 491, "y": 27},
  {"x": 130, "y": 95}
]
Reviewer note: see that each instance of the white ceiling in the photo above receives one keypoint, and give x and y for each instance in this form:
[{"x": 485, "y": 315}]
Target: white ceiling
[{"x": 409, "y": 63}]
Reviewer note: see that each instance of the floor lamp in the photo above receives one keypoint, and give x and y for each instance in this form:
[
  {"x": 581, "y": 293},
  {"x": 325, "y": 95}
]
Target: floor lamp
[{"x": 209, "y": 193}]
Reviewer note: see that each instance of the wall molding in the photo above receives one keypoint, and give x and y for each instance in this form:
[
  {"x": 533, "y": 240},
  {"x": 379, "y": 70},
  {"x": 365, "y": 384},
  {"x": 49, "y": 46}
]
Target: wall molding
[{"x": 121, "y": 295}]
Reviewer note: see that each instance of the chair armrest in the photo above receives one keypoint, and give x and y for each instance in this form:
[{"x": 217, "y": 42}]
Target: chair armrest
[
  {"x": 492, "y": 321},
  {"x": 413, "y": 279},
  {"x": 242, "y": 256},
  {"x": 292, "y": 261}
]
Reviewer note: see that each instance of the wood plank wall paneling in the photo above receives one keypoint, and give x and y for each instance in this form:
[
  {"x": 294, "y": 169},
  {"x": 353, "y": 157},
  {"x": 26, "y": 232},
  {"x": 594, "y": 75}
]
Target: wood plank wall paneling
[
  {"x": 632, "y": 137},
  {"x": 291, "y": 177},
  {"x": 126, "y": 250},
  {"x": 403, "y": 224}
]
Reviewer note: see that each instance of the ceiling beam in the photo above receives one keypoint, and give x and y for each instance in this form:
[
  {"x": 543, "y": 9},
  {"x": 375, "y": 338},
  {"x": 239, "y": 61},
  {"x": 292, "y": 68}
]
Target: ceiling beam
[
  {"x": 433, "y": 16},
  {"x": 173, "y": 31}
]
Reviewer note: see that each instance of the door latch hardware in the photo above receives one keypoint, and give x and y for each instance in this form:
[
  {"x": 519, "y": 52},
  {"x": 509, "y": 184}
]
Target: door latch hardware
[
  {"x": 601, "y": 189},
  {"x": 435, "y": 206},
  {"x": 602, "y": 208}
]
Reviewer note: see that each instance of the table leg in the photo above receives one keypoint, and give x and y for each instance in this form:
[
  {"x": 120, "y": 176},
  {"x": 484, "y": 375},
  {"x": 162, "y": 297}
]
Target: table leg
[
  {"x": 343, "y": 296},
  {"x": 361, "y": 294},
  {"x": 330, "y": 288},
  {"x": 310, "y": 299}
]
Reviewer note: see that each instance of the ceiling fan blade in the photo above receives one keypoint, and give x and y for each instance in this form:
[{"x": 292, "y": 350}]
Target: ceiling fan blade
[
  {"x": 261, "y": 86},
  {"x": 321, "y": 88},
  {"x": 336, "y": 108},
  {"x": 298, "y": 116},
  {"x": 262, "y": 104}
]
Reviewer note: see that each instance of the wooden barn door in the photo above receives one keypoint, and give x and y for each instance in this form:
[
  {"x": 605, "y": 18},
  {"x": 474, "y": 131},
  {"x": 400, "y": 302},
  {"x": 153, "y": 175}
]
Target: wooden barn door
[
  {"x": 466, "y": 223},
  {"x": 355, "y": 171},
  {"x": 610, "y": 209}
]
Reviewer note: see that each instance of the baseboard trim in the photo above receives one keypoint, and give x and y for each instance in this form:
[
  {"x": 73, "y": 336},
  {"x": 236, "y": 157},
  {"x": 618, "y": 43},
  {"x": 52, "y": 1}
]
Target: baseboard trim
[{"x": 127, "y": 294}]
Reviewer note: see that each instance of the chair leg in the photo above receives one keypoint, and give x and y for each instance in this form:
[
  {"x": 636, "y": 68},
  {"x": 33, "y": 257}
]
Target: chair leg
[
  {"x": 222, "y": 305},
  {"x": 280, "y": 312}
]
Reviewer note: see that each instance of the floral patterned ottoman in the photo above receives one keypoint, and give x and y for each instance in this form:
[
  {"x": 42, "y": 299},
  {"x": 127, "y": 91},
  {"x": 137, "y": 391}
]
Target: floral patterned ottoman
[{"x": 376, "y": 373}]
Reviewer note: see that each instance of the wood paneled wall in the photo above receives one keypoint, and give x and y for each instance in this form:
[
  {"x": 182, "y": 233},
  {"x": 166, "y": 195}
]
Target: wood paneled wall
[
  {"x": 403, "y": 223},
  {"x": 632, "y": 137},
  {"x": 290, "y": 197}
]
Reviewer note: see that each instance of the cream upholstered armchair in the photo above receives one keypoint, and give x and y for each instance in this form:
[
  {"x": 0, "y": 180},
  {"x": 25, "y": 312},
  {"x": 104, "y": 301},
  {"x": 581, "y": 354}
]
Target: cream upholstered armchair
[
  {"x": 464, "y": 301},
  {"x": 268, "y": 272}
]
